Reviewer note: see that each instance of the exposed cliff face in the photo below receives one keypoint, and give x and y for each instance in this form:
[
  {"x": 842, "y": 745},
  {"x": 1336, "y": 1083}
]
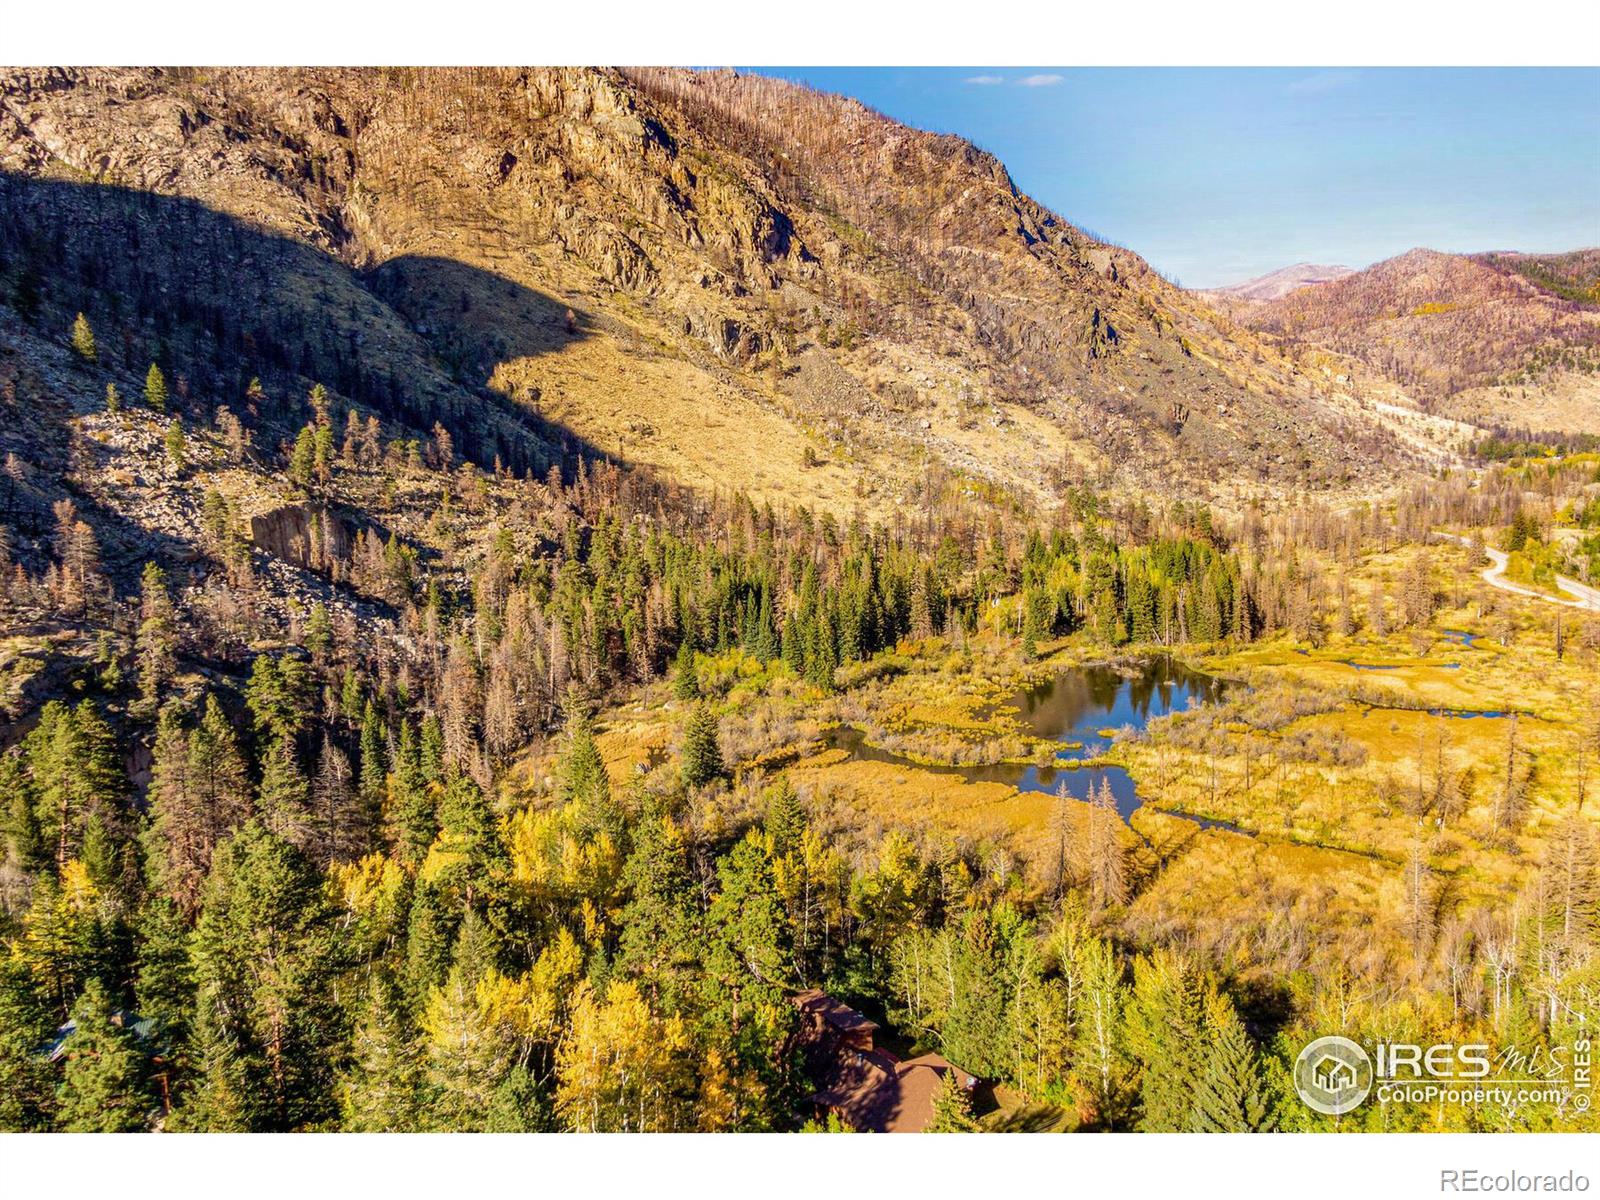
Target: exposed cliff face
[
  {"x": 300, "y": 534},
  {"x": 727, "y": 277}
]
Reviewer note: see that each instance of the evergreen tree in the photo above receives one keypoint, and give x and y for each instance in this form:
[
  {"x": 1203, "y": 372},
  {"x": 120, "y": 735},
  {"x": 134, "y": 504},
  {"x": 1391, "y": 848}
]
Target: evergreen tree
[
  {"x": 164, "y": 978},
  {"x": 749, "y": 958},
  {"x": 1229, "y": 1095},
  {"x": 83, "y": 340},
  {"x": 105, "y": 1087},
  {"x": 23, "y": 843},
  {"x": 266, "y": 957},
  {"x": 659, "y": 936},
  {"x": 701, "y": 756},
  {"x": 415, "y": 818},
  {"x": 374, "y": 760},
  {"x": 952, "y": 1107},
  {"x": 685, "y": 680},
  {"x": 27, "y": 1094},
  {"x": 284, "y": 801},
  {"x": 380, "y": 1092},
  {"x": 177, "y": 445},
  {"x": 976, "y": 1032},
  {"x": 466, "y": 1058},
  {"x": 584, "y": 782},
  {"x": 1165, "y": 1025},
  {"x": 157, "y": 640},
  {"x": 113, "y": 398},
  {"x": 155, "y": 388}
]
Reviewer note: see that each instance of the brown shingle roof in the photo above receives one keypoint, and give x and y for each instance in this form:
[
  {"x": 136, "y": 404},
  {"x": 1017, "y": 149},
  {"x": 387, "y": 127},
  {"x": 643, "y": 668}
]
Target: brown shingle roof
[{"x": 835, "y": 1012}]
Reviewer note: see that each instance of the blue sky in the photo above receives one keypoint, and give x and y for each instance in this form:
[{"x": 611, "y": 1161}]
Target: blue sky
[{"x": 1217, "y": 175}]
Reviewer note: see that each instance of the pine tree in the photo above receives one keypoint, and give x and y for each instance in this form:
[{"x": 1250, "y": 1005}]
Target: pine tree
[
  {"x": 177, "y": 445},
  {"x": 1165, "y": 1023},
  {"x": 658, "y": 942},
  {"x": 374, "y": 761},
  {"x": 155, "y": 388},
  {"x": 952, "y": 1107},
  {"x": 976, "y": 1031},
  {"x": 701, "y": 756},
  {"x": 466, "y": 1056},
  {"x": 113, "y": 398},
  {"x": 584, "y": 782},
  {"x": 83, "y": 340},
  {"x": 303, "y": 458},
  {"x": 284, "y": 801},
  {"x": 27, "y": 1094},
  {"x": 416, "y": 822},
  {"x": 1229, "y": 1095},
  {"x": 266, "y": 957},
  {"x": 380, "y": 1091},
  {"x": 685, "y": 681},
  {"x": 157, "y": 638},
  {"x": 430, "y": 936},
  {"x": 23, "y": 843},
  {"x": 749, "y": 957},
  {"x": 105, "y": 1087},
  {"x": 164, "y": 979},
  {"x": 339, "y": 833}
]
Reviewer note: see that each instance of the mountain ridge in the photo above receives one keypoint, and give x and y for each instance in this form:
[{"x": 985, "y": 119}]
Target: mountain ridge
[
  {"x": 1275, "y": 284},
  {"x": 866, "y": 303}
]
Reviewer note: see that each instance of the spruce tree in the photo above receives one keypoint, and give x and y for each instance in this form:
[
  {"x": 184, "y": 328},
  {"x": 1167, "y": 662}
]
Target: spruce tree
[
  {"x": 1164, "y": 1026},
  {"x": 83, "y": 340},
  {"x": 952, "y": 1108},
  {"x": 1229, "y": 1095},
  {"x": 177, "y": 445},
  {"x": 27, "y": 1092},
  {"x": 284, "y": 801},
  {"x": 701, "y": 756},
  {"x": 380, "y": 1091},
  {"x": 685, "y": 680},
  {"x": 155, "y": 388},
  {"x": 164, "y": 979},
  {"x": 105, "y": 1087},
  {"x": 157, "y": 637},
  {"x": 113, "y": 399},
  {"x": 267, "y": 956}
]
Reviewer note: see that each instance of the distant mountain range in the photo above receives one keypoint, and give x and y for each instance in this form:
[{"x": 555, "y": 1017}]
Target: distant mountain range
[
  {"x": 1281, "y": 282},
  {"x": 1498, "y": 338}
]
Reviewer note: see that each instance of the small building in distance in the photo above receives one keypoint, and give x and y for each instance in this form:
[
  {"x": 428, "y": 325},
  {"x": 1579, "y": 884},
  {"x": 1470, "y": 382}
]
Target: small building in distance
[{"x": 867, "y": 1086}]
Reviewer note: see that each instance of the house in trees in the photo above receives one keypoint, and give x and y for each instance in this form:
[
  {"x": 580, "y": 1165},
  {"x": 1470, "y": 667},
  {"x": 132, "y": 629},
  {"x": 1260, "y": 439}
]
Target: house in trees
[{"x": 865, "y": 1084}]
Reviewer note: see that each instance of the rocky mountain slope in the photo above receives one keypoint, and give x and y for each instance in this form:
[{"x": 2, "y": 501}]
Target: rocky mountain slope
[
  {"x": 1499, "y": 339},
  {"x": 735, "y": 280},
  {"x": 1276, "y": 284}
]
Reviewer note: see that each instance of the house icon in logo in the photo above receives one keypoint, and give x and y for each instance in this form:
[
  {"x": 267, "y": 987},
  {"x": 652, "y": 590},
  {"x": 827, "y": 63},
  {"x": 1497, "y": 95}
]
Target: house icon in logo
[{"x": 1333, "y": 1075}]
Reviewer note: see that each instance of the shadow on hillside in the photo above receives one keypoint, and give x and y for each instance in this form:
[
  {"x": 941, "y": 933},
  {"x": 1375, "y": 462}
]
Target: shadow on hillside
[{"x": 219, "y": 302}]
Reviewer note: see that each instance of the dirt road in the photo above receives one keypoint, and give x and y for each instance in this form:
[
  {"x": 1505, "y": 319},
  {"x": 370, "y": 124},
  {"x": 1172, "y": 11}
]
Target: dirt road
[{"x": 1581, "y": 595}]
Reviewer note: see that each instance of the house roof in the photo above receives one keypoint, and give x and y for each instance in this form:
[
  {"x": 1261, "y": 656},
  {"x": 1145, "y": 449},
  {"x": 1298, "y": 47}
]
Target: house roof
[
  {"x": 835, "y": 1012},
  {"x": 875, "y": 1092}
]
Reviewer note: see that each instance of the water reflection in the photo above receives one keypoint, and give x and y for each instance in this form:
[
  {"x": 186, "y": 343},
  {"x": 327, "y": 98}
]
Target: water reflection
[
  {"x": 1078, "y": 707},
  {"x": 1075, "y": 708}
]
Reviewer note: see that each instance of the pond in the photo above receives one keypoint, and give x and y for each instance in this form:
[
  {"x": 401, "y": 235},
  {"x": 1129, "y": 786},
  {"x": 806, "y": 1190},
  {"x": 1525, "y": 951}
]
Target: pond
[{"x": 1078, "y": 708}]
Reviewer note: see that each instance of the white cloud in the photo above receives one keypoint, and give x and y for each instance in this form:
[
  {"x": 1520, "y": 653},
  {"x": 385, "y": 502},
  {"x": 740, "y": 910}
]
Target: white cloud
[
  {"x": 985, "y": 80},
  {"x": 1040, "y": 80},
  {"x": 1321, "y": 81}
]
